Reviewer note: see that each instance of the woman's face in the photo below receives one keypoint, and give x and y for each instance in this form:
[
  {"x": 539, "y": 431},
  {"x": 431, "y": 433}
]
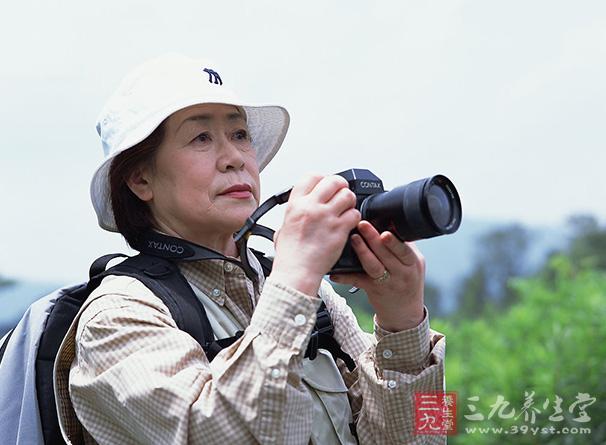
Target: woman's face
[{"x": 204, "y": 182}]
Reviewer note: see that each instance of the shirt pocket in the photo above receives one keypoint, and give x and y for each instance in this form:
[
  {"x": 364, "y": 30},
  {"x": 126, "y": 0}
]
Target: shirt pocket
[{"x": 332, "y": 412}]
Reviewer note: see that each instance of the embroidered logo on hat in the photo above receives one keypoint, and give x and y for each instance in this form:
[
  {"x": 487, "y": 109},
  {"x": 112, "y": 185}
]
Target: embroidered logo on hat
[{"x": 213, "y": 75}]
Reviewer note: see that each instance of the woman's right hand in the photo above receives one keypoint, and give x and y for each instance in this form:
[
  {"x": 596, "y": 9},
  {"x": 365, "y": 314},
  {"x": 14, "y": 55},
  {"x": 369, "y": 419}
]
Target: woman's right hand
[{"x": 319, "y": 217}]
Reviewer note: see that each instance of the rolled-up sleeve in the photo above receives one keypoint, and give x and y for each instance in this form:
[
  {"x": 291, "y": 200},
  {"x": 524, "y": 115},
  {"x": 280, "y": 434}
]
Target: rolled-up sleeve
[{"x": 139, "y": 379}]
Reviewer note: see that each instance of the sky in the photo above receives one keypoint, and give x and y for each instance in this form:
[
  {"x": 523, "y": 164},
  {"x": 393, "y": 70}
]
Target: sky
[{"x": 507, "y": 99}]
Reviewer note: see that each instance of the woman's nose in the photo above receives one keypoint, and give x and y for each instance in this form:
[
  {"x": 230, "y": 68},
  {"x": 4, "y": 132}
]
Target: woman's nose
[{"x": 230, "y": 156}]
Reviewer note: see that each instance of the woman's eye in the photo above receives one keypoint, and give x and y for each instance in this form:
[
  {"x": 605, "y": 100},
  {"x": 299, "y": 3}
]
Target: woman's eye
[
  {"x": 241, "y": 135},
  {"x": 202, "y": 137}
]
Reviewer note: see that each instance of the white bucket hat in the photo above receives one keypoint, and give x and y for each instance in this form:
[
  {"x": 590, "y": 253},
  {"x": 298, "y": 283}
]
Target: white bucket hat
[{"x": 154, "y": 91}]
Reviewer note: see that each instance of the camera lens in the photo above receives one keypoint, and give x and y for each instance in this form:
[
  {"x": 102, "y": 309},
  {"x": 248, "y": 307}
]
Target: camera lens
[
  {"x": 439, "y": 206},
  {"x": 422, "y": 209}
]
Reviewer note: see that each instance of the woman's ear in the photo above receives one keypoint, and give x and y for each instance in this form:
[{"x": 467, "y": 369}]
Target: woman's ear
[{"x": 139, "y": 182}]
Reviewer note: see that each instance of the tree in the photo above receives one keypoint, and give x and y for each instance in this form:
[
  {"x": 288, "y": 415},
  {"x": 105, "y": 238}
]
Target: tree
[
  {"x": 501, "y": 255},
  {"x": 473, "y": 299},
  {"x": 588, "y": 243},
  {"x": 586, "y": 246},
  {"x": 433, "y": 299},
  {"x": 6, "y": 282}
]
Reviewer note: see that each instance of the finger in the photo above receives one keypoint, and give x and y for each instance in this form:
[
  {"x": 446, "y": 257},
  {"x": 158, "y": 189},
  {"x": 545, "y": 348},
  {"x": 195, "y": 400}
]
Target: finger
[
  {"x": 327, "y": 187},
  {"x": 372, "y": 265},
  {"x": 305, "y": 185},
  {"x": 343, "y": 200},
  {"x": 407, "y": 253},
  {"x": 350, "y": 218},
  {"x": 377, "y": 245}
]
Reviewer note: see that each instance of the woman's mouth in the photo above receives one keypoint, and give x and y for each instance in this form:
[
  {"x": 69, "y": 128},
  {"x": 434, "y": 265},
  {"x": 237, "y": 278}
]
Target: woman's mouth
[{"x": 238, "y": 191}]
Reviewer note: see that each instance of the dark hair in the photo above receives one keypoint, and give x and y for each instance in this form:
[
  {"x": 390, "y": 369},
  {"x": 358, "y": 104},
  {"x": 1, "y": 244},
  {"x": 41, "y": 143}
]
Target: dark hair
[{"x": 132, "y": 216}]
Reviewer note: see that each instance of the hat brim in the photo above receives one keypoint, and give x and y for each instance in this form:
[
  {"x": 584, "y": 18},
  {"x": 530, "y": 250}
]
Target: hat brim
[{"x": 267, "y": 125}]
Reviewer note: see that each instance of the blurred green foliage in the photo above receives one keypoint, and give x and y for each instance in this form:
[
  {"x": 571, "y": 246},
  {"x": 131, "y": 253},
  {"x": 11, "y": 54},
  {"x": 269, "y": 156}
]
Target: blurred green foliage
[{"x": 552, "y": 342}]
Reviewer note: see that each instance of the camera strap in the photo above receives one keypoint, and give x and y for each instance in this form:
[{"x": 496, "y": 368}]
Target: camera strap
[
  {"x": 177, "y": 249},
  {"x": 252, "y": 228},
  {"x": 165, "y": 246}
]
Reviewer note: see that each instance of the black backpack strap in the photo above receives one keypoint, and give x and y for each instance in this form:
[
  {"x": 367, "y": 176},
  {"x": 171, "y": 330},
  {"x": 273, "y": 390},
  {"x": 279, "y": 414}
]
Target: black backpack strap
[
  {"x": 164, "y": 279},
  {"x": 213, "y": 348},
  {"x": 322, "y": 336},
  {"x": 59, "y": 320},
  {"x": 100, "y": 264},
  {"x": 266, "y": 263},
  {"x": 4, "y": 345}
]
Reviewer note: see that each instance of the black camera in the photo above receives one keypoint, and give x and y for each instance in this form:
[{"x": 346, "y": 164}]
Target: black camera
[{"x": 422, "y": 209}]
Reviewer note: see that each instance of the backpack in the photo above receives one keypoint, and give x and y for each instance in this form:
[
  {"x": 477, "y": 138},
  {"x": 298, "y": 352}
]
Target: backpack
[{"x": 28, "y": 352}]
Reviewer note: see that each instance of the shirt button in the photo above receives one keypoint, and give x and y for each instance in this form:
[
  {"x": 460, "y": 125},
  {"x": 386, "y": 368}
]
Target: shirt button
[
  {"x": 216, "y": 293},
  {"x": 387, "y": 353},
  {"x": 228, "y": 266},
  {"x": 391, "y": 384},
  {"x": 300, "y": 320},
  {"x": 275, "y": 373}
]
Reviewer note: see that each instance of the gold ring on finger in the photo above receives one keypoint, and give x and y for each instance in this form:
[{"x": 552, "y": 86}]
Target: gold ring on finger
[{"x": 383, "y": 277}]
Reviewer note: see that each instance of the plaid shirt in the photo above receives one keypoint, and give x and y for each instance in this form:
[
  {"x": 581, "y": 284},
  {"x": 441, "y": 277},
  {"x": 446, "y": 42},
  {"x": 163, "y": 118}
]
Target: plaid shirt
[{"x": 131, "y": 376}]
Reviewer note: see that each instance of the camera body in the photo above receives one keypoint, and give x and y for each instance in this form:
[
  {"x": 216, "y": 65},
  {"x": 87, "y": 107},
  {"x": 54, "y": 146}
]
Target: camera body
[
  {"x": 422, "y": 209},
  {"x": 363, "y": 183}
]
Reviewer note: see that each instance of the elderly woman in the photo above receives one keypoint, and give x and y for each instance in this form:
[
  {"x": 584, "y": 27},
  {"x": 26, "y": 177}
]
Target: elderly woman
[{"x": 183, "y": 156}]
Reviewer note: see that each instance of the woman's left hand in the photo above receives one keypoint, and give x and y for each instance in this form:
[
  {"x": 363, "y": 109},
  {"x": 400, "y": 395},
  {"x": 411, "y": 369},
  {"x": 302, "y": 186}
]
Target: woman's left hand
[{"x": 394, "y": 278}]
